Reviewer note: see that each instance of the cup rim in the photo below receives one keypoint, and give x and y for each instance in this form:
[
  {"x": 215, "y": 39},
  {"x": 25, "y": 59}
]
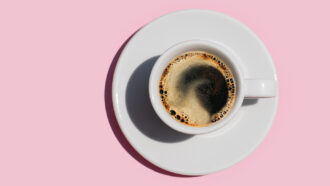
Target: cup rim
[{"x": 209, "y": 46}]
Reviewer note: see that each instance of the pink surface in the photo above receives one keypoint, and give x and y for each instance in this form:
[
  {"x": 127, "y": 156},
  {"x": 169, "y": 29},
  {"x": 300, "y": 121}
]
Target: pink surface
[{"x": 54, "y": 61}]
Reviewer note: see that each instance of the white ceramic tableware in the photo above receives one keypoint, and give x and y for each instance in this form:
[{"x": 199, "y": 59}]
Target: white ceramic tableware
[{"x": 245, "y": 87}]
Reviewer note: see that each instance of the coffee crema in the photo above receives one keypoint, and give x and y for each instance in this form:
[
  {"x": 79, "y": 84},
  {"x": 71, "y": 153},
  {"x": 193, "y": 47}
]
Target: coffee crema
[{"x": 197, "y": 89}]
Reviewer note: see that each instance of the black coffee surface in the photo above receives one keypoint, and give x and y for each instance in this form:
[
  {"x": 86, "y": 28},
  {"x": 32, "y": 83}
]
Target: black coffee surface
[
  {"x": 197, "y": 89},
  {"x": 212, "y": 91}
]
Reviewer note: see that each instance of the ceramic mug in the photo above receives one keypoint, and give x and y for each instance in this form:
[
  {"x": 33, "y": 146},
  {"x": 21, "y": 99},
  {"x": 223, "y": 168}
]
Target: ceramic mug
[{"x": 245, "y": 88}]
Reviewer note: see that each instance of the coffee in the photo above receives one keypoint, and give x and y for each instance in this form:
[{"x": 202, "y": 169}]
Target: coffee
[{"x": 197, "y": 88}]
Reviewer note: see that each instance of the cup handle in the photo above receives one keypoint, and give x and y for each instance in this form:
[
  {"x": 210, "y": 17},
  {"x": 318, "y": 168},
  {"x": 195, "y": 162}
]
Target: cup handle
[{"x": 260, "y": 88}]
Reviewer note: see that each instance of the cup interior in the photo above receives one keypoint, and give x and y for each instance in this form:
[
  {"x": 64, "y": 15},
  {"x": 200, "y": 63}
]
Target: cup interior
[{"x": 194, "y": 45}]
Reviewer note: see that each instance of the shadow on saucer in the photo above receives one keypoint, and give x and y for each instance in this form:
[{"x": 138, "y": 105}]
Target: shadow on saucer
[
  {"x": 249, "y": 102},
  {"x": 141, "y": 111},
  {"x": 141, "y": 121}
]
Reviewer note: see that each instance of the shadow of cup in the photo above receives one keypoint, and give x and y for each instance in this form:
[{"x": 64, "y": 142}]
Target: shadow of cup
[{"x": 141, "y": 111}]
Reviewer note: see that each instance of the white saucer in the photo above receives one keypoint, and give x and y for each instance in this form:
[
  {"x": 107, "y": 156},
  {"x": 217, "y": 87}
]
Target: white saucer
[{"x": 164, "y": 147}]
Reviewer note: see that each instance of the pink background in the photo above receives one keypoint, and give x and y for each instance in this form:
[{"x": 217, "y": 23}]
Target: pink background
[{"x": 54, "y": 61}]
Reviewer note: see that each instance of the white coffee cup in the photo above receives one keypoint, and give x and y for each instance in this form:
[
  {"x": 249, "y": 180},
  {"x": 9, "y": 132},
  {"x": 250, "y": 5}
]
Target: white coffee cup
[{"x": 245, "y": 88}]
